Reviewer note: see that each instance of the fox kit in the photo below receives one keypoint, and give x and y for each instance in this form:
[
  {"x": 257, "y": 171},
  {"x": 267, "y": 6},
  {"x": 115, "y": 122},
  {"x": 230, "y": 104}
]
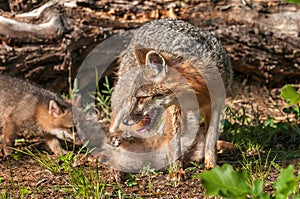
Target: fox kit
[
  {"x": 27, "y": 107},
  {"x": 170, "y": 70}
]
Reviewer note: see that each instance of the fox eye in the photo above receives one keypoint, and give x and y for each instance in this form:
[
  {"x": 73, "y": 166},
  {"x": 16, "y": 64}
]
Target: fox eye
[
  {"x": 159, "y": 96},
  {"x": 141, "y": 99}
]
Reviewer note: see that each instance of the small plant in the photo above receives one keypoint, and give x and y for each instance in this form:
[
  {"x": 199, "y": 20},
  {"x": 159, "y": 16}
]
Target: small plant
[
  {"x": 148, "y": 170},
  {"x": 151, "y": 173},
  {"x": 73, "y": 92},
  {"x": 292, "y": 98},
  {"x": 66, "y": 162},
  {"x": 83, "y": 182},
  {"x": 24, "y": 191},
  {"x": 86, "y": 183},
  {"x": 43, "y": 159},
  {"x": 175, "y": 173},
  {"x": 130, "y": 182},
  {"x": 226, "y": 182},
  {"x": 102, "y": 97},
  {"x": 249, "y": 133},
  {"x": 260, "y": 165}
]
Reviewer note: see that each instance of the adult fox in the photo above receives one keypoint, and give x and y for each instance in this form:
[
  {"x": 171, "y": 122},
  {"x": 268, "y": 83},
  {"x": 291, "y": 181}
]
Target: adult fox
[{"x": 170, "y": 73}]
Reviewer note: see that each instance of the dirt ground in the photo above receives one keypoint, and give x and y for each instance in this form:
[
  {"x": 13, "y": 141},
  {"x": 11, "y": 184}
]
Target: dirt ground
[{"x": 27, "y": 172}]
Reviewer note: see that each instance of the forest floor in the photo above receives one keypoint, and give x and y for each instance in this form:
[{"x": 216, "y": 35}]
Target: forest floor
[{"x": 39, "y": 175}]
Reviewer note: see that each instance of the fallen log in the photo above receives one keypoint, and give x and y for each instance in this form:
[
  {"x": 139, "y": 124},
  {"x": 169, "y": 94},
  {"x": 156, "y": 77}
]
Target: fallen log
[{"x": 49, "y": 43}]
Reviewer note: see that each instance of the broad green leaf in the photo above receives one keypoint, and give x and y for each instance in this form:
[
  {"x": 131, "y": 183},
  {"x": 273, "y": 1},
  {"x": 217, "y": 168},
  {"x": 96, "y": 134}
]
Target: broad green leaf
[
  {"x": 224, "y": 181},
  {"x": 257, "y": 190},
  {"x": 286, "y": 183},
  {"x": 290, "y": 95}
]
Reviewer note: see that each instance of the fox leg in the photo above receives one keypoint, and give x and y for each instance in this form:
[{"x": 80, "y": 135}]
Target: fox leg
[
  {"x": 212, "y": 136},
  {"x": 54, "y": 145},
  {"x": 174, "y": 149},
  {"x": 174, "y": 136},
  {"x": 173, "y": 133},
  {"x": 199, "y": 149},
  {"x": 175, "y": 158},
  {"x": 8, "y": 136}
]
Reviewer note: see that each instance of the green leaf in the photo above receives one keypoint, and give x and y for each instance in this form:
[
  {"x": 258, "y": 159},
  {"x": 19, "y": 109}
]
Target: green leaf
[
  {"x": 130, "y": 182},
  {"x": 257, "y": 190},
  {"x": 293, "y": 1},
  {"x": 286, "y": 183},
  {"x": 270, "y": 122},
  {"x": 225, "y": 182},
  {"x": 25, "y": 191},
  {"x": 290, "y": 95}
]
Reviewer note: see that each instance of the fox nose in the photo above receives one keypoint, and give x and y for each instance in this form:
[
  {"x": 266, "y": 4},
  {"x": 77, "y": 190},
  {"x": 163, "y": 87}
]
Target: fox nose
[{"x": 128, "y": 122}]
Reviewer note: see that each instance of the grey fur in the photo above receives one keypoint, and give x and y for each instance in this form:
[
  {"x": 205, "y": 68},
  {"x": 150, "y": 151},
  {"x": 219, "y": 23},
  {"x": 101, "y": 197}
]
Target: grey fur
[{"x": 203, "y": 49}]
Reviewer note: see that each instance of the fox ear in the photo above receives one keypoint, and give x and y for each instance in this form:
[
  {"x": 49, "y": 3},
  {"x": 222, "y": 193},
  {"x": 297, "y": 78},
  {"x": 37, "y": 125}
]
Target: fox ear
[
  {"x": 54, "y": 109},
  {"x": 156, "y": 65},
  {"x": 140, "y": 54}
]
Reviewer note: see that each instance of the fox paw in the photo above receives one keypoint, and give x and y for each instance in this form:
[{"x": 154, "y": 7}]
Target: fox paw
[
  {"x": 115, "y": 140},
  {"x": 209, "y": 166}
]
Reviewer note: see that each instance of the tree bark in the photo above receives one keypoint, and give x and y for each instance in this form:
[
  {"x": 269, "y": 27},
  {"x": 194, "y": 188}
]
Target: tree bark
[
  {"x": 263, "y": 38},
  {"x": 49, "y": 43}
]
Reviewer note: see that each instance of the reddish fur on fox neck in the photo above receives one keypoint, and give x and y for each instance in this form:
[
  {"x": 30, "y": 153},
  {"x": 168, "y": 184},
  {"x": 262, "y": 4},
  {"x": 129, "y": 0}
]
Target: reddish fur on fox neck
[
  {"x": 195, "y": 80},
  {"x": 43, "y": 118}
]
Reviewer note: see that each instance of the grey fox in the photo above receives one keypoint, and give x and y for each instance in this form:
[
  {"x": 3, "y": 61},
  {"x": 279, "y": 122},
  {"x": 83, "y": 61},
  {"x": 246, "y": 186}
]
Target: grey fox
[
  {"x": 170, "y": 70},
  {"x": 24, "y": 106}
]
